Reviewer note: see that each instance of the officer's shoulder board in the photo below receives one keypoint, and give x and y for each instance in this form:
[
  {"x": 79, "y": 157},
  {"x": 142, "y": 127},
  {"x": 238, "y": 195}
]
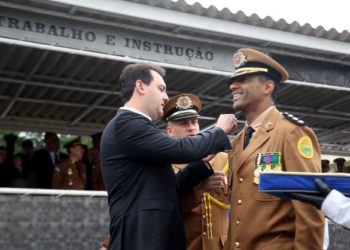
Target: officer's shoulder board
[{"x": 293, "y": 119}]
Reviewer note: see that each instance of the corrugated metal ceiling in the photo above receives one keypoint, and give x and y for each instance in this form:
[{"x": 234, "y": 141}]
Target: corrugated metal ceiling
[
  {"x": 47, "y": 90},
  {"x": 43, "y": 90}
]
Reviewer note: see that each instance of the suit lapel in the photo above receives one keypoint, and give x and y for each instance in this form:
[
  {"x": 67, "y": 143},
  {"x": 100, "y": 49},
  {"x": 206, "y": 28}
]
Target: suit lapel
[{"x": 261, "y": 136}]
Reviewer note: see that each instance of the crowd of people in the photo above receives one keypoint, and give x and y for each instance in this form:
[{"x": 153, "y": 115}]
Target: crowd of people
[
  {"x": 338, "y": 166},
  {"x": 78, "y": 168}
]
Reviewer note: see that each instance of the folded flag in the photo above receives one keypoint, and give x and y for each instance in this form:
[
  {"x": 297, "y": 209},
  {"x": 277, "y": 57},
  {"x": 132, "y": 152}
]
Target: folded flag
[{"x": 277, "y": 183}]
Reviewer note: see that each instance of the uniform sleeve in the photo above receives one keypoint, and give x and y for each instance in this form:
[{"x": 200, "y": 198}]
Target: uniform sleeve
[
  {"x": 337, "y": 208},
  {"x": 83, "y": 172},
  {"x": 188, "y": 177},
  {"x": 95, "y": 177},
  {"x": 57, "y": 177},
  {"x": 189, "y": 201},
  {"x": 302, "y": 154},
  {"x": 144, "y": 141},
  {"x": 96, "y": 169}
]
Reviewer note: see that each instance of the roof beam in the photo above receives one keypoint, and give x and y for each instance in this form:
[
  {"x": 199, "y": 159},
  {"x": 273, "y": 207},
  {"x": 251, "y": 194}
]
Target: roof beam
[
  {"x": 68, "y": 104},
  {"x": 208, "y": 25},
  {"x": 20, "y": 90},
  {"x": 166, "y": 65},
  {"x": 54, "y": 78},
  {"x": 232, "y": 43},
  {"x": 89, "y": 109}
]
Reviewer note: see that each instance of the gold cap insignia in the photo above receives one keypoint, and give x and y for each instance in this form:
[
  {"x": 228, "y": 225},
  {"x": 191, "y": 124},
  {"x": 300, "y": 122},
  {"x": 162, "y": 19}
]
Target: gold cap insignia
[
  {"x": 239, "y": 59},
  {"x": 183, "y": 102}
]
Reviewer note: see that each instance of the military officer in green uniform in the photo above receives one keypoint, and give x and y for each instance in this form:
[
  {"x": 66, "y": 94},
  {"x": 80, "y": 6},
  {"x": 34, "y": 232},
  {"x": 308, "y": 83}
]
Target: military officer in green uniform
[
  {"x": 205, "y": 210},
  {"x": 71, "y": 172}
]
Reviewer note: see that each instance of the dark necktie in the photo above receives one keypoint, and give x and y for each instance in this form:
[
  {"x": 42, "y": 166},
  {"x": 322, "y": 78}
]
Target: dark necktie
[
  {"x": 248, "y": 134},
  {"x": 56, "y": 158}
]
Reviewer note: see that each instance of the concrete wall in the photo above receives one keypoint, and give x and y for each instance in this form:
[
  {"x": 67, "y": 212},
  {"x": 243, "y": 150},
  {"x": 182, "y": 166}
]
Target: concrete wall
[
  {"x": 71, "y": 223},
  {"x": 47, "y": 222}
]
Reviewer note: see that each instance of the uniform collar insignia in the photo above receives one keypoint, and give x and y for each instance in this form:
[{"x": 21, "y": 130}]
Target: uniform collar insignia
[{"x": 269, "y": 125}]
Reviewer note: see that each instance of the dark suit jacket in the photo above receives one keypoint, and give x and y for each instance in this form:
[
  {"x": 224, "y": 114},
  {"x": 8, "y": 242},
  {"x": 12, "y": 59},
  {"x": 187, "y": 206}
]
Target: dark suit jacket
[
  {"x": 143, "y": 192},
  {"x": 44, "y": 167}
]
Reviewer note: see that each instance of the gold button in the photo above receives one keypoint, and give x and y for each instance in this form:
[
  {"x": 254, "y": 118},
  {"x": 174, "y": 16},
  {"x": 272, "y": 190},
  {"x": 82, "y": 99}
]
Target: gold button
[
  {"x": 203, "y": 216},
  {"x": 237, "y": 244},
  {"x": 237, "y": 222},
  {"x": 241, "y": 180},
  {"x": 239, "y": 202},
  {"x": 204, "y": 233}
]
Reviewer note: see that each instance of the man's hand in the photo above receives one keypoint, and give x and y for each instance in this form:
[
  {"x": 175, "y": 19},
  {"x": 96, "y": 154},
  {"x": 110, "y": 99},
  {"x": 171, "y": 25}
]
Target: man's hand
[
  {"x": 212, "y": 183},
  {"x": 227, "y": 122},
  {"x": 208, "y": 158},
  {"x": 314, "y": 199}
]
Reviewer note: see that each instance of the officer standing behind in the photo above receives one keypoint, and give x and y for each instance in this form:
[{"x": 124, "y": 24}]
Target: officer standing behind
[
  {"x": 206, "y": 224},
  {"x": 71, "y": 173},
  {"x": 325, "y": 166},
  {"x": 269, "y": 141},
  {"x": 339, "y": 165}
]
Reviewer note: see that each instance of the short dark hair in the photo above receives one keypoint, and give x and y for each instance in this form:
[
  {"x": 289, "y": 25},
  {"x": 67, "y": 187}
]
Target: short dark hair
[
  {"x": 49, "y": 135},
  {"x": 134, "y": 72},
  {"x": 264, "y": 78},
  {"x": 27, "y": 144}
]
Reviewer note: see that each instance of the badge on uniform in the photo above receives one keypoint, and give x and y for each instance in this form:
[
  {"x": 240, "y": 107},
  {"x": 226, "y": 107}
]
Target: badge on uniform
[
  {"x": 267, "y": 162},
  {"x": 70, "y": 172},
  {"x": 305, "y": 147}
]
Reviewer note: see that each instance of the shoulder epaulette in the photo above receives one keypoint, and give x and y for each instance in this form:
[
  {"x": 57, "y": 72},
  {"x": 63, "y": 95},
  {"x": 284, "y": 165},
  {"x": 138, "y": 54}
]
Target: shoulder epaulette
[{"x": 293, "y": 119}]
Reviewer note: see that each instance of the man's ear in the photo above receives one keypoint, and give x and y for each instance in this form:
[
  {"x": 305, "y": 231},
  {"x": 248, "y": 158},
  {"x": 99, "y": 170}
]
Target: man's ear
[
  {"x": 169, "y": 131},
  {"x": 140, "y": 87},
  {"x": 269, "y": 87}
]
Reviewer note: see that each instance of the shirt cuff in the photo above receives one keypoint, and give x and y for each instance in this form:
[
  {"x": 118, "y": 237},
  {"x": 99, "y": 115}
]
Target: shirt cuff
[{"x": 332, "y": 205}]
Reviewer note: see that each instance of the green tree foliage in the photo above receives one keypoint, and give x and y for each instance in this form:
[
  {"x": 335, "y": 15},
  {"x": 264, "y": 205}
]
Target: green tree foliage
[{"x": 38, "y": 139}]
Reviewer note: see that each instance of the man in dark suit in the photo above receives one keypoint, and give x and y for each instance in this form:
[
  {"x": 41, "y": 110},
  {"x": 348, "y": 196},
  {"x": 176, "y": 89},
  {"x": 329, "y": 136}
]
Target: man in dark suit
[
  {"x": 136, "y": 157},
  {"x": 45, "y": 160}
]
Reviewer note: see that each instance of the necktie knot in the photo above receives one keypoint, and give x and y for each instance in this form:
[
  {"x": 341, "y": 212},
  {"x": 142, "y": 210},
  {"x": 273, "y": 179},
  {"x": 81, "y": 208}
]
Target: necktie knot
[{"x": 248, "y": 134}]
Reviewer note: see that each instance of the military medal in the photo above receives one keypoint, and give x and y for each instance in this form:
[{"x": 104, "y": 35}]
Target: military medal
[{"x": 267, "y": 162}]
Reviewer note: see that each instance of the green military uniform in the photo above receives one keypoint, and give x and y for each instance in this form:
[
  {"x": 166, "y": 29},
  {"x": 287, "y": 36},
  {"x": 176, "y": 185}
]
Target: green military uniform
[
  {"x": 70, "y": 174},
  {"x": 206, "y": 224},
  {"x": 270, "y": 142},
  {"x": 205, "y": 218}
]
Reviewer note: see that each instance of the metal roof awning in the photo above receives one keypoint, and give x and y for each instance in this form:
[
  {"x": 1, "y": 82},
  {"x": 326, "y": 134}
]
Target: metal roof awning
[{"x": 63, "y": 76}]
